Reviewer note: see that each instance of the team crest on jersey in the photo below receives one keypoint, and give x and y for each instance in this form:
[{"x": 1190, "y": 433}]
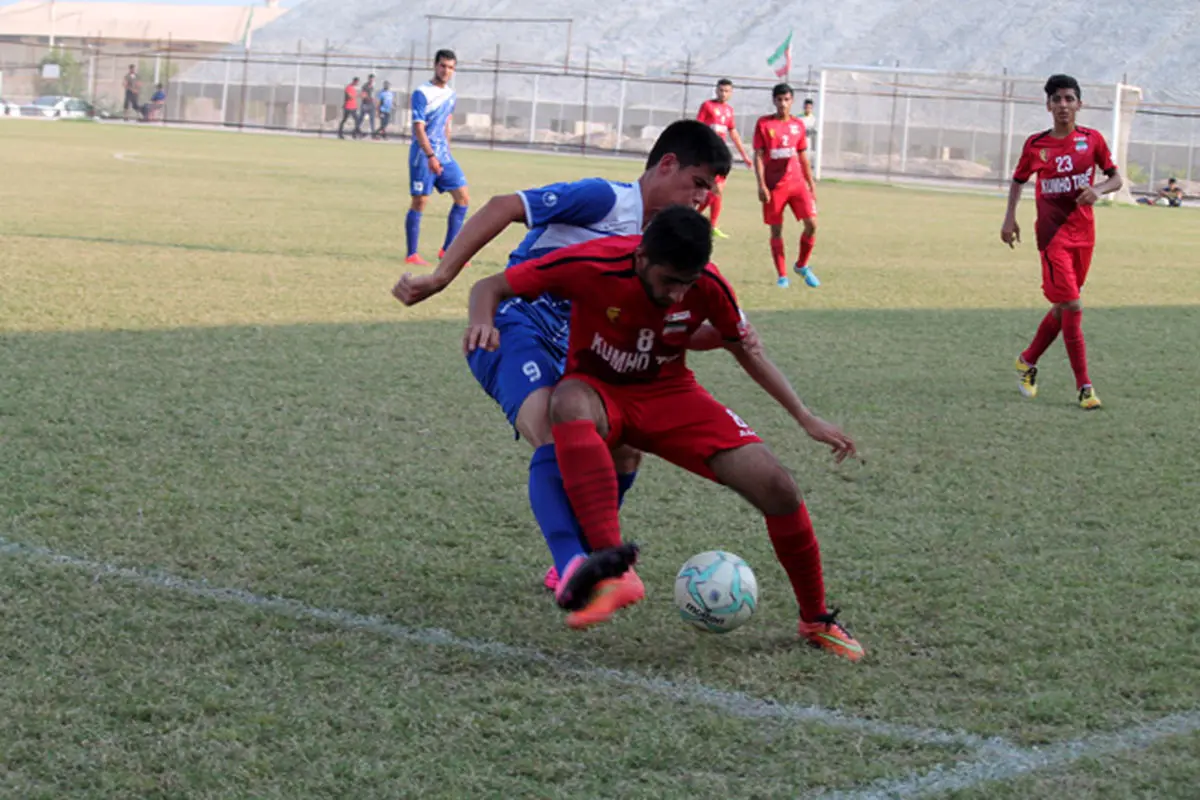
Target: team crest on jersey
[
  {"x": 1080, "y": 145},
  {"x": 549, "y": 199},
  {"x": 1043, "y": 155},
  {"x": 613, "y": 313},
  {"x": 794, "y": 128}
]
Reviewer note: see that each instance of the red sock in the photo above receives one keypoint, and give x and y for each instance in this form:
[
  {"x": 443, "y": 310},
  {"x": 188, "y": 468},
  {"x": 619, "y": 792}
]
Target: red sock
[
  {"x": 777, "y": 254},
  {"x": 1047, "y": 332},
  {"x": 714, "y": 202},
  {"x": 797, "y": 550},
  {"x": 1072, "y": 330},
  {"x": 590, "y": 480},
  {"x": 806, "y": 247}
]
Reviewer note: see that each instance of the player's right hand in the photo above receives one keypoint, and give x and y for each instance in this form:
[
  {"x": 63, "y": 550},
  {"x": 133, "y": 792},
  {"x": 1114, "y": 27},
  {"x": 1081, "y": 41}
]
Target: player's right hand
[
  {"x": 1010, "y": 233},
  {"x": 763, "y": 195},
  {"x": 479, "y": 335},
  {"x": 412, "y": 289},
  {"x": 435, "y": 166},
  {"x": 826, "y": 432}
]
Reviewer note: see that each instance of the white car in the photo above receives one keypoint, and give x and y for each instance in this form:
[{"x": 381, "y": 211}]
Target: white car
[{"x": 58, "y": 107}]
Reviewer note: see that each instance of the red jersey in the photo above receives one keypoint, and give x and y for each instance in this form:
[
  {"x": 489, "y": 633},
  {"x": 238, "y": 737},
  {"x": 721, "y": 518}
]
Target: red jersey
[
  {"x": 718, "y": 116},
  {"x": 350, "y": 98},
  {"x": 618, "y": 334},
  {"x": 1064, "y": 167},
  {"x": 782, "y": 140}
]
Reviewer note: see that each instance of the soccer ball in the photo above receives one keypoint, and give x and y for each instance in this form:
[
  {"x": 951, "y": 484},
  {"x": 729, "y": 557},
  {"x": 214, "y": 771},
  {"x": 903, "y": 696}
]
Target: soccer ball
[{"x": 716, "y": 591}]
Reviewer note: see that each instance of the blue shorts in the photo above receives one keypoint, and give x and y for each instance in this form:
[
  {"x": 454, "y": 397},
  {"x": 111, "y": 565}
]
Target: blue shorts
[
  {"x": 528, "y": 359},
  {"x": 422, "y": 181}
]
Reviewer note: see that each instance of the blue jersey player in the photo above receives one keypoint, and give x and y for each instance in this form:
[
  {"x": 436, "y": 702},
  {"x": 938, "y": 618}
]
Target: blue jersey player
[
  {"x": 430, "y": 165},
  {"x": 680, "y": 170}
]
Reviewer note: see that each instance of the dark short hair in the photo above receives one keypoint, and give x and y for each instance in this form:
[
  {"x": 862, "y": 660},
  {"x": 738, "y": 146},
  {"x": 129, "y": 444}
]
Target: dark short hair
[
  {"x": 444, "y": 55},
  {"x": 1171, "y": 180},
  {"x": 808, "y": 101},
  {"x": 678, "y": 237},
  {"x": 1057, "y": 82},
  {"x": 724, "y": 82},
  {"x": 781, "y": 89},
  {"x": 693, "y": 144}
]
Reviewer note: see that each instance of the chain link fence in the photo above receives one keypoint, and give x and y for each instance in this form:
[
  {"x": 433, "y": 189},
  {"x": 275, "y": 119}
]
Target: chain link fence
[{"x": 871, "y": 121}]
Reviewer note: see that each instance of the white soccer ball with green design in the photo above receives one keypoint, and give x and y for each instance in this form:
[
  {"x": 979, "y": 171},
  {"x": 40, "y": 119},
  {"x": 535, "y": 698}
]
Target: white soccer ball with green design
[{"x": 716, "y": 591}]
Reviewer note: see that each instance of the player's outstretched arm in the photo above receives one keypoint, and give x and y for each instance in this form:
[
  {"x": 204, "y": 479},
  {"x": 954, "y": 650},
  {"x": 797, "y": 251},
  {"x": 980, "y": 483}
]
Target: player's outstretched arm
[
  {"x": 484, "y": 226},
  {"x": 486, "y": 296},
  {"x": 1010, "y": 231},
  {"x": 707, "y": 337},
  {"x": 775, "y": 383}
]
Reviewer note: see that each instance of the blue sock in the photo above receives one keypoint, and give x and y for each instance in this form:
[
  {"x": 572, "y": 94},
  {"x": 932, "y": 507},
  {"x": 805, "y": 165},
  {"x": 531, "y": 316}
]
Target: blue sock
[
  {"x": 624, "y": 484},
  {"x": 412, "y": 230},
  {"x": 458, "y": 214},
  {"x": 552, "y": 509}
]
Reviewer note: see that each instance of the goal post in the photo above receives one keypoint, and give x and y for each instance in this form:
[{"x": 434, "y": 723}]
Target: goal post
[{"x": 947, "y": 127}]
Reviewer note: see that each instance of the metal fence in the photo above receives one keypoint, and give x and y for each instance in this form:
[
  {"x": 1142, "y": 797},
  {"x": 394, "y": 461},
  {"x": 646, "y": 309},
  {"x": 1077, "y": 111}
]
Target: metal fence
[{"x": 881, "y": 122}]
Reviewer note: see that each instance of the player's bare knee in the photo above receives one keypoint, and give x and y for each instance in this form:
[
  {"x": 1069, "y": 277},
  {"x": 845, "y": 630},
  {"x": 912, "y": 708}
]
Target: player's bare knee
[
  {"x": 573, "y": 401},
  {"x": 533, "y": 419},
  {"x": 810, "y": 227},
  {"x": 461, "y": 197},
  {"x": 418, "y": 202},
  {"x": 780, "y": 495},
  {"x": 776, "y": 231},
  {"x": 626, "y": 459}
]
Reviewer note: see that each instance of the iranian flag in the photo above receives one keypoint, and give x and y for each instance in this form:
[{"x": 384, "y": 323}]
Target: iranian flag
[{"x": 781, "y": 59}]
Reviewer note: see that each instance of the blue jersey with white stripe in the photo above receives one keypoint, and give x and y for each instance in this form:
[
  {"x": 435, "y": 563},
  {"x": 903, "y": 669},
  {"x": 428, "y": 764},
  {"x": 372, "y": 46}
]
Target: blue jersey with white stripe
[
  {"x": 433, "y": 105},
  {"x": 563, "y": 214}
]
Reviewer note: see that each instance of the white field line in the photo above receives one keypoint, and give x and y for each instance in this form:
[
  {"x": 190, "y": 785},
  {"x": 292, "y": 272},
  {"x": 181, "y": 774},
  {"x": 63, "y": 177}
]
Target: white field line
[
  {"x": 735, "y": 704},
  {"x": 990, "y": 767}
]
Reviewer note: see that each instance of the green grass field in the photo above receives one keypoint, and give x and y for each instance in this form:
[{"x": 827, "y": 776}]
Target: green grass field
[{"x": 263, "y": 536}]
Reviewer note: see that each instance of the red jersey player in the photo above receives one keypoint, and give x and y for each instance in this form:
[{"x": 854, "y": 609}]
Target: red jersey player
[
  {"x": 1065, "y": 159},
  {"x": 785, "y": 180},
  {"x": 635, "y": 302},
  {"x": 718, "y": 115}
]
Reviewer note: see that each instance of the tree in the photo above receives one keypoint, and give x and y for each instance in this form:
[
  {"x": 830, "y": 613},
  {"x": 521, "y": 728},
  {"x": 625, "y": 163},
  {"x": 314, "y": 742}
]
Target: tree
[{"x": 70, "y": 80}]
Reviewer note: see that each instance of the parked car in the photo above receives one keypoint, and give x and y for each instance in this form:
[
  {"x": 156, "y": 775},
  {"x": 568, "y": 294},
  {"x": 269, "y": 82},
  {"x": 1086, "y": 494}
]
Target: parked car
[
  {"x": 8, "y": 109},
  {"x": 58, "y": 107}
]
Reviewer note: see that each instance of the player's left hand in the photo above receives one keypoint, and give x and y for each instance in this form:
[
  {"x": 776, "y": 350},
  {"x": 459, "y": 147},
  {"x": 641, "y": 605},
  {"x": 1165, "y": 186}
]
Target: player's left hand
[
  {"x": 828, "y": 433},
  {"x": 479, "y": 335},
  {"x": 1087, "y": 196}
]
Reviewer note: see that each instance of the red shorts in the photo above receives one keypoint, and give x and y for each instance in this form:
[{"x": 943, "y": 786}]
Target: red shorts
[
  {"x": 1064, "y": 270},
  {"x": 718, "y": 188},
  {"x": 676, "y": 420},
  {"x": 794, "y": 194}
]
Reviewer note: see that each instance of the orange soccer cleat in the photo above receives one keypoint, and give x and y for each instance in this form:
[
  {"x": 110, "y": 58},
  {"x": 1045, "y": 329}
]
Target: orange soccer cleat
[
  {"x": 827, "y": 633},
  {"x": 609, "y": 597}
]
